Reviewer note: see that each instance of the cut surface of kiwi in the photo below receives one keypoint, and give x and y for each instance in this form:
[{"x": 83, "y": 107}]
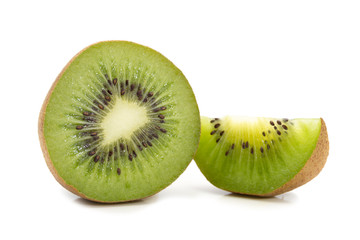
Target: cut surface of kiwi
[
  {"x": 120, "y": 123},
  {"x": 261, "y": 156}
]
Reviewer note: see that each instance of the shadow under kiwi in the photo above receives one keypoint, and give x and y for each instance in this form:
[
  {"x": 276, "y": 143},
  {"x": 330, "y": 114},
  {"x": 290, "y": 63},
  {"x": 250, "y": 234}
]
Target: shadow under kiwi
[
  {"x": 138, "y": 202},
  {"x": 89, "y": 203},
  {"x": 285, "y": 198},
  {"x": 288, "y": 197}
]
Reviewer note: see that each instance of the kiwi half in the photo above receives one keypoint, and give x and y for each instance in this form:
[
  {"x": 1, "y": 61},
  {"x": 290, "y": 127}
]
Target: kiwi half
[
  {"x": 261, "y": 156},
  {"x": 120, "y": 123}
]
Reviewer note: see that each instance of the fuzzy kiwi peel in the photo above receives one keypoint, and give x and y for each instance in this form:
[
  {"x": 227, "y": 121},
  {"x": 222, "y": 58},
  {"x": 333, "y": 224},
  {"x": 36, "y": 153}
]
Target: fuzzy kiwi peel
[
  {"x": 120, "y": 75},
  {"x": 261, "y": 156}
]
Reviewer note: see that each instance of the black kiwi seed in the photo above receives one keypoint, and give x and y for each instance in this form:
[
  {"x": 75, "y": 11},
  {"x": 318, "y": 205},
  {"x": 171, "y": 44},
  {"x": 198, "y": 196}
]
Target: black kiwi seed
[
  {"x": 162, "y": 121},
  {"x": 247, "y": 144},
  {"x": 272, "y": 123},
  {"x": 86, "y": 113},
  {"x": 110, "y": 153},
  {"x": 122, "y": 91},
  {"x": 217, "y": 140},
  {"x": 261, "y": 149},
  {"x": 161, "y": 116},
  {"x": 130, "y": 157},
  {"x": 79, "y": 127},
  {"x": 97, "y": 158},
  {"x": 89, "y": 119},
  {"x": 144, "y": 144},
  {"x": 93, "y": 134},
  {"x": 107, "y": 98},
  {"x": 221, "y": 133},
  {"x": 252, "y": 150},
  {"x": 268, "y": 146},
  {"x": 233, "y": 146},
  {"x": 278, "y": 122},
  {"x": 118, "y": 170},
  {"x": 155, "y": 135},
  {"x": 213, "y": 132},
  {"x": 263, "y": 133},
  {"x": 132, "y": 86},
  {"x": 278, "y": 132},
  {"x": 285, "y": 120},
  {"x": 226, "y": 153},
  {"x": 212, "y": 121},
  {"x": 139, "y": 147},
  {"x": 122, "y": 147},
  {"x": 243, "y": 145},
  {"x": 127, "y": 82},
  {"x": 91, "y": 153},
  {"x": 109, "y": 92},
  {"x": 149, "y": 143},
  {"x": 285, "y": 127},
  {"x": 115, "y": 81},
  {"x": 217, "y": 125},
  {"x": 163, "y": 130},
  {"x": 163, "y": 108},
  {"x": 134, "y": 154},
  {"x": 139, "y": 93},
  {"x": 275, "y": 127},
  {"x": 150, "y": 94},
  {"x": 101, "y": 106}
]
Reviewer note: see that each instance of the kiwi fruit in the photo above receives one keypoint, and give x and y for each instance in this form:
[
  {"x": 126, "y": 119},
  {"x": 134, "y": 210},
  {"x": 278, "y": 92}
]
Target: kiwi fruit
[
  {"x": 120, "y": 123},
  {"x": 261, "y": 156}
]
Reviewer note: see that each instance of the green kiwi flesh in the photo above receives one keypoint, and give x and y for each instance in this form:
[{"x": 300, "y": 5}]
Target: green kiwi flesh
[
  {"x": 120, "y": 123},
  {"x": 261, "y": 156}
]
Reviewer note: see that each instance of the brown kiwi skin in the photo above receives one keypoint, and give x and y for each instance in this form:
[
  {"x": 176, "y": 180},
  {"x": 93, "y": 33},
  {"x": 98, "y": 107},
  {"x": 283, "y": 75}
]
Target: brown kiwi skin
[
  {"x": 43, "y": 142},
  {"x": 310, "y": 170}
]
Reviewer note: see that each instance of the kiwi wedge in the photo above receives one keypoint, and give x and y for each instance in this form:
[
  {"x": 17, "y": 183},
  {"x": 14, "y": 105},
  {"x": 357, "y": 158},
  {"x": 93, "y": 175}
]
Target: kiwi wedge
[
  {"x": 120, "y": 123},
  {"x": 261, "y": 156}
]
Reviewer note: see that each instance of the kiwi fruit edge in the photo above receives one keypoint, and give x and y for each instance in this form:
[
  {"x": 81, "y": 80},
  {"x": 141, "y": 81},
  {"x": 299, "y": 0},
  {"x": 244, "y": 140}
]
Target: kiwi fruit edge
[
  {"x": 44, "y": 147},
  {"x": 312, "y": 167},
  {"x": 209, "y": 167}
]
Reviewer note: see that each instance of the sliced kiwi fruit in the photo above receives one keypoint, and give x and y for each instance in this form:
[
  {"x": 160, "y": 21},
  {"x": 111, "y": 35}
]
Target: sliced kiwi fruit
[
  {"x": 120, "y": 123},
  {"x": 261, "y": 156}
]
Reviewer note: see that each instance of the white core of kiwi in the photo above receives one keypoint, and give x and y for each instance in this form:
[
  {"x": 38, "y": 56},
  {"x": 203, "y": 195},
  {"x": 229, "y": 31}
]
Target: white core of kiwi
[
  {"x": 124, "y": 118},
  {"x": 240, "y": 121}
]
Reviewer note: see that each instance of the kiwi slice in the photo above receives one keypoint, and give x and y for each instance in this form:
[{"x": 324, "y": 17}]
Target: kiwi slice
[
  {"x": 261, "y": 156},
  {"x": 120, "y": 123}
]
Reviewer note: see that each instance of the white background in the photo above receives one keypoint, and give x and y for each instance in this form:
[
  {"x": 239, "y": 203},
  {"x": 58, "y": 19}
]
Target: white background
[{"x": 254, "y": 58}]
